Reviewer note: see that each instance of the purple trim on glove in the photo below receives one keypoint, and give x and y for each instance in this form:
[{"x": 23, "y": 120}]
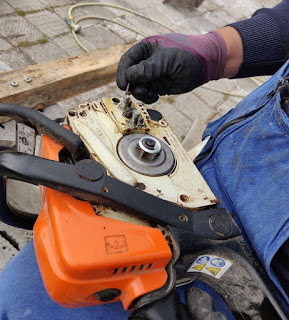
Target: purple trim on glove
[{"x": 209, "y": 48}]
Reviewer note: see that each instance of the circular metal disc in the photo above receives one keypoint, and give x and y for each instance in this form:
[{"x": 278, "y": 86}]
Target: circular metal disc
[{"x": 150, "y": 165}]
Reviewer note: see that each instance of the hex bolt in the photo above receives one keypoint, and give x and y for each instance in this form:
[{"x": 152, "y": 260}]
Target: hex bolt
[
  {"x": 28, "y": 79},
  {"x": 14, "y": 83}
]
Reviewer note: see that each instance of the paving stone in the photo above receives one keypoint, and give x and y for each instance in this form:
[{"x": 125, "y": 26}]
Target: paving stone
[
  {"x": 54, "y": 112},
  {"x": 7, "y": 251},
  {"x": 95, "y": 94},
  {"x": 99, "y": 37},
  {"x": 227, "y": 105},
  {"x": 137, "y": 5},
  {"x": 247, "y": 84},
  {"x": 63, "y": 12},
  {"x": 101, "y": 11},
  {"x": 211, "y": 98},
  {"x": 18, "y": 29},
  {"x": 15, "y": 59},
  {"x": 176, "y": 119},
  {"x": 222, "y": 84},
  {"x": 4, "y": 45},
  {"x": 143, "y": 25},
  {"x": 69, "y": 45},
  {"x": 47, "y": 22},
  {"x": 45, "y": 52},
  {"x": 206, "y": 6},
  {"x": 5, "y": 8},
  {"x": 28, "y": 5},
  {"x": 192, "y": 107},
  {"x": 194, "y": 135},
  {"x": 8, "y": 131},
  {"x": 190, "y": 4},
  {"x": 54, "y": 3},
  {"x": 196, "y": 25},
  {"x": 4, "y": 67},
  {"x": 69, "y": 104},
  {"x": 17, "y": 236},
  {"x": 219, "y": 18},
  {"x": 157, "y": 15},
  {"x": 127, "y": 35},
  {"x": 171, "y": 12},
  {"x": 23, "y": 198}
]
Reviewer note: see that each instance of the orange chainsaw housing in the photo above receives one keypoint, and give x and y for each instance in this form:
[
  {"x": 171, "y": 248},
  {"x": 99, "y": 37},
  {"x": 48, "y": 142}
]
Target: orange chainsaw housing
[{"x": 80, "y": 253}]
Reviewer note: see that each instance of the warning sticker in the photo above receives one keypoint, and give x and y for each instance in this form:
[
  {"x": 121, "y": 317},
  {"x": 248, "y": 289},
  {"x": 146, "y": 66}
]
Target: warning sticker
[
  {"x": 211, "y": 265},
  {"x": 25, "y": 139},
  {"x": 199, "y": 267}
]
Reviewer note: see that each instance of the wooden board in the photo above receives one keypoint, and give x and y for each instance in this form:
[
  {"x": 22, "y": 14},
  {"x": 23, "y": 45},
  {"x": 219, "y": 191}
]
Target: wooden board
[{"x": 57, "y": 80}]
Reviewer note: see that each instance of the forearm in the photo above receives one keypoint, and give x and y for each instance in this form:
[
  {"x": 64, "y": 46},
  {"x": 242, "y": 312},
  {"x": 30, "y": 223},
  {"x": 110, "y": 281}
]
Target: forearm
[{"x": 234, "y": 50}]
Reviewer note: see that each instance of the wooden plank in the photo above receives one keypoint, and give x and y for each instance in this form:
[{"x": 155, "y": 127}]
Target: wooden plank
[{"x": 57, "y": 80}]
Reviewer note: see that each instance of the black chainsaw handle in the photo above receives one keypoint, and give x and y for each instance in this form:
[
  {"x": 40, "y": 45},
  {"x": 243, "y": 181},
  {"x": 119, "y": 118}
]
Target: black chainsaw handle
[
  {"x": 44, "y": 125},
  {"x": 87, "y": 180},
  {"x": 245, "y": 285}
]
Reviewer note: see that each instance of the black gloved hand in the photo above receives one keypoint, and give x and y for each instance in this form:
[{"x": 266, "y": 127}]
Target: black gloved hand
[
  {"x": 199, "y": 307},
  {"x": 171, "y": 64}
]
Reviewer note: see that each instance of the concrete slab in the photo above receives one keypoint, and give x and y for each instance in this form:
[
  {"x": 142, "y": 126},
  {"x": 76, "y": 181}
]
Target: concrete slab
[
  {"x": 5, "y": 8},
  {"x": 66, "y": 43},
  {"x": 4, "y": 67},
  {"x": 196, "y": 25},
  {"x": 15, "y": 59},
  {"x": 45, "y": 52},
  {"x": 127, "y": 35},
  {"x": 56, "y": 3},
  {"x": 4, "y": 45},
  {"x": 178, "y": 121},
  {"x": 192, "y": 107},
  {"x": 15, "y": 236},
  {"x": 7, "y": 251},
  {"x": 99, "y": 37},
  {"x": 54, "y": 112},
  {"x": 48, "y": 23},
  {"x": 19, "y": 30},
  {"x": 228, "y": 104},
  {"x": 211, "y": 98},
  {"x": 8, "y": 131},
  {"x": 63, "y": 10},
  {"x": 28, "y": 5}
]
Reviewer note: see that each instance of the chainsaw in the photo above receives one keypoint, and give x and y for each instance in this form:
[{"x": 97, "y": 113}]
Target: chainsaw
[{"x": 126, "y": 216}]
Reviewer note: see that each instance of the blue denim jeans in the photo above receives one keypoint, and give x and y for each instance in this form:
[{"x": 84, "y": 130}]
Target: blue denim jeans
[{"x": 23, "y": 296}]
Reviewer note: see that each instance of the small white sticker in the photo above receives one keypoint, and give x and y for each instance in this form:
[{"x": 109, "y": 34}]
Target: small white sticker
[
  {"x": 25, "y": 139},
  {"x": 211, "y": 265}
]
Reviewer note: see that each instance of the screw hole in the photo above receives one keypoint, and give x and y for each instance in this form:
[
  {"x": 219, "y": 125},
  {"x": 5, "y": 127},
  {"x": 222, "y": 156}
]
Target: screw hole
[
  {"x": 184, "y": 198},
  {"x": 183, "y": 217},
  {"x": 115, "y": 100},
  {"x": 104, "y": 189},
  {"x": 72, "y": 113}
]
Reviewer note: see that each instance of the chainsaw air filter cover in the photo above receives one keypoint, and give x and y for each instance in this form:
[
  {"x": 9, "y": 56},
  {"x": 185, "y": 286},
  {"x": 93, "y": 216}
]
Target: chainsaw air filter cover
[{"x": 146, "y": 154}]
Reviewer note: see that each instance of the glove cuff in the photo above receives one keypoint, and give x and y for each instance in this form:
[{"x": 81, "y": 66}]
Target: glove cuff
[{"x": 209, "y": 48}]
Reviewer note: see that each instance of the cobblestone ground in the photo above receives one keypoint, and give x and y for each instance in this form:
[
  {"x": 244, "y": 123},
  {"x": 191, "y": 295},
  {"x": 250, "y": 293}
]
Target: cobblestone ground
[{"x": 34, "y": 31}]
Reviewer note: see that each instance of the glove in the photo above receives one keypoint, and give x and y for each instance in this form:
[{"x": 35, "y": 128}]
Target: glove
[
  {"x": 199, "y": 307},
  {"x": 172, "y": 63}
]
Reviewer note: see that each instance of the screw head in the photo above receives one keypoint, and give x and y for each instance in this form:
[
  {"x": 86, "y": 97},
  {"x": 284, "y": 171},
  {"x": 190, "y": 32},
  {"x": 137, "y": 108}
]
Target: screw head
[{"x": 28, "y": 79}]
